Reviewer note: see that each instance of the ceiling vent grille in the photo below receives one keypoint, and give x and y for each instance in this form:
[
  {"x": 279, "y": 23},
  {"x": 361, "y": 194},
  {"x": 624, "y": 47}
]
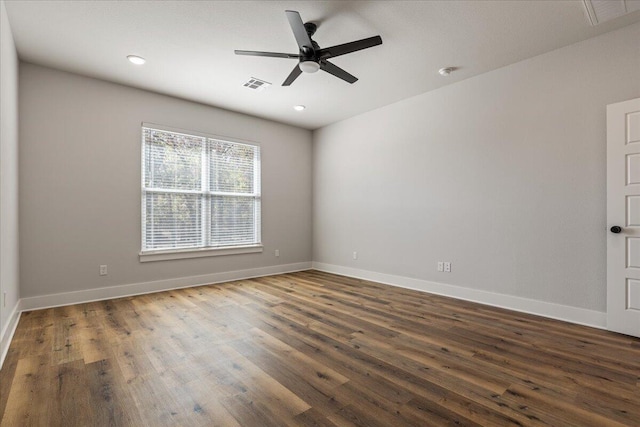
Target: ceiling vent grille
[
  {"x": 256, "y": 84},
  {"x": 599, "y": 11}
]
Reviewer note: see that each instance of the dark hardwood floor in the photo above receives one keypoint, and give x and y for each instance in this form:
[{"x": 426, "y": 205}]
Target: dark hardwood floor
[{"x": 312, "y": 349}]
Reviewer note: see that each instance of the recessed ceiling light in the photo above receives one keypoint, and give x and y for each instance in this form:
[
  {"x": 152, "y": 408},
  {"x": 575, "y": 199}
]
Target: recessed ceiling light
[
  {"x": 299, "y": 107},
  {"x": 446, "y": 71},
  {"x": 138, "y": 60}
]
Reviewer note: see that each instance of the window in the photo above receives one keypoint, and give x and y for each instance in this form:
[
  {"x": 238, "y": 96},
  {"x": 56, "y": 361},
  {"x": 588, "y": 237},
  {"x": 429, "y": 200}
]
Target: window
[{"x": 200, "y": 194}]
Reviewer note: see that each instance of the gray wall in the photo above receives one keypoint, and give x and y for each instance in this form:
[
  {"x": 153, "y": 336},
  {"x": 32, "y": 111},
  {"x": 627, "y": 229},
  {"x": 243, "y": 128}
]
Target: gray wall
[
  {"x": 502, "y": 174},
  {"x": 80, "y": 183},
  {"x": 8, "y": 170}
]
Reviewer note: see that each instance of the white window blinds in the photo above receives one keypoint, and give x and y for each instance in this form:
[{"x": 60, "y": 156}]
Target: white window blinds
[{"x": 198, "y": 192}]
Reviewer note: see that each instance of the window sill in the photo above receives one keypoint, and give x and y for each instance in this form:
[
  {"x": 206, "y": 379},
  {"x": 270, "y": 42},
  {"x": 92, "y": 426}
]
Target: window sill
[{"x": 197, "y": 253}]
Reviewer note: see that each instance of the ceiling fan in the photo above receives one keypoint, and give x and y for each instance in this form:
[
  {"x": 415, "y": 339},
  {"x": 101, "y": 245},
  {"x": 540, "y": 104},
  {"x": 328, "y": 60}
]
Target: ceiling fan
[{"x": 311, "y": 57}]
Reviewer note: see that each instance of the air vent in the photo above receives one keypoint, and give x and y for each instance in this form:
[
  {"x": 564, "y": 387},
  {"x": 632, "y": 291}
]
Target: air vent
[
  {"x": 599, "y": 11},
  {"x": 256, "y": 84}
]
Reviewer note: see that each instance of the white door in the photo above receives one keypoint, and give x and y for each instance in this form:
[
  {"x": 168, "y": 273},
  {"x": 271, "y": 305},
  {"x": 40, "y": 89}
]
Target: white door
[{"x": 623, "y": 217}]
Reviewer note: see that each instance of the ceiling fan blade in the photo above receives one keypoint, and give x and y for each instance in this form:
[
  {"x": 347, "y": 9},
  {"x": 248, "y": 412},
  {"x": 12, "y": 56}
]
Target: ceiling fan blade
[
  {"x": 299, "y": 31},
  {"x": 337, "y": 71},
  {"x": 294, "y": 75},
  {"x": 341, "y": 49},
  {"x": 269, "y": 54}
]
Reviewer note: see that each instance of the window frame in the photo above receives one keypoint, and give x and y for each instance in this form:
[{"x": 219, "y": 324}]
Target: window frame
[{"x": 205, "y": 196}]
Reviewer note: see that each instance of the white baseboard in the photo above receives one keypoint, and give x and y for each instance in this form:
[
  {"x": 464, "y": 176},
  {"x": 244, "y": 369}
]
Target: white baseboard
[
  {"x": 7, "y": 332},
  {"x": 566, "y": 313},
  {"x": 98, "y": 294}
]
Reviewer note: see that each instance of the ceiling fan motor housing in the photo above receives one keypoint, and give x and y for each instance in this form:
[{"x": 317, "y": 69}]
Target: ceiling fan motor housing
[{"x": 308, "y": 53}]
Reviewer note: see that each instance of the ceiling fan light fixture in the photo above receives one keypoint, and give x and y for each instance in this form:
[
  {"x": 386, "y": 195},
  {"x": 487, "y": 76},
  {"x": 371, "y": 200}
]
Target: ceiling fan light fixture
[{"x": 309, "y": 66}]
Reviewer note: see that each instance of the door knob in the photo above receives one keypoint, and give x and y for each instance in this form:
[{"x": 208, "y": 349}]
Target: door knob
[{"x": 616, "y": 229}]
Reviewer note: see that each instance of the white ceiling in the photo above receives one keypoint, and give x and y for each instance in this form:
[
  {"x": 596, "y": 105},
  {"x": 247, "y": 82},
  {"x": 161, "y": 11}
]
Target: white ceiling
[{"x": 189, "y": 47}]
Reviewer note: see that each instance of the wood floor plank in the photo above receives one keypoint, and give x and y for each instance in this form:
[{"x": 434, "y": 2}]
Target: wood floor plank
[
  {"x": 70, "y": 385},
  {"x": 312, "y": 349},
  {"x": 111, "y": 399},
  {"x": 206, "y": 403},
  {"x": 31, "y": 383},
  {"x": 273, "y": 394},
  {"x": 250, "y": 411},
  {"x": 317, "y": 395},
  {"x": 323, "y": 378},
  {"x": 10, "y": 365},
  {"x": 313, "y": 418},
  {"x": 38, "y": 339},
  {"x": 94, "y": 344}
]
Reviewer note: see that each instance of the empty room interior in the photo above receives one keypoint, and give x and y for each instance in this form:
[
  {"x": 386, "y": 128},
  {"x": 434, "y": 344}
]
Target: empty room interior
[{"x": 320, "y": 213}]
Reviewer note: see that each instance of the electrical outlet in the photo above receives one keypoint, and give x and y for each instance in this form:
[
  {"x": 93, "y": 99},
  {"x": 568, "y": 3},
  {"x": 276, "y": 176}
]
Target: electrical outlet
[
  {"x": 277, "y": 252},
  {"x": 355, "y": 255},
  {"x": 447, "y": 267},
  {"x": 103, "y": 270},
  {"x": 440, "y": 266}
]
